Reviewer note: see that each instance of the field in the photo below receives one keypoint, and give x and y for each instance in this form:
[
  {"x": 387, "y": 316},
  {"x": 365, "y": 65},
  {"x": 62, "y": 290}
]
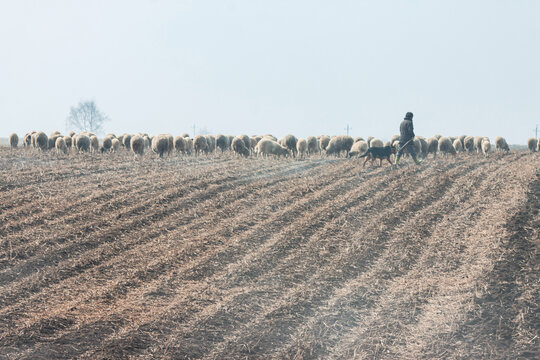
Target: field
[{"x": 225, "y": 258}]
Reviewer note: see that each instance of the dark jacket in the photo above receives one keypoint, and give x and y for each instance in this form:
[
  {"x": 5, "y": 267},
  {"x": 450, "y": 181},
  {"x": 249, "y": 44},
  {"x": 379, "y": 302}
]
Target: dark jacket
[{"x": 406, "y": 131}]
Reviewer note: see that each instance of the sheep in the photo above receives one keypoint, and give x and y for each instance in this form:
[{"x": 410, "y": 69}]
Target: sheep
[
  {"x": 324, "y": 140},
  {"x": 160, "y": 144},
  {"x": 82, "y": 143},
  {"x": 433, "y": 146},
  {"x": 468, "y": 144},
  {"x": 180, "y": 144},
  {"x": 375, "y": 143},
  {"x": 52, "y": 140},
  {"x": 189, "y": 145},
  {"x": 458, "y": 145},
  {"x": 200, "y": 144},
  {"x": 230, "y": 138},
  {"x": 446, "y": 146},
  {"x": 222, "y": 142},
  {"x": 289, "y": 141},
  {"x": 27, "y": 141},
  {"x": 338, "y": 144},
  {"x": 121, "y": 140},
  {"x": 461, "y": 138},
  {"x": 254, "y": 140},
  {"x": 423, "y": 146},
  {"x": 501, "y": 145},
  {"x": 41, "y": 141},
  {"x": 358, "y": 148},
  {"x": 60, "y": 145},
  {"x": 115, "y": 145},
  {"x": 532, "y": 144},
  {"x": 72, "y": 133},
  {"x": 417, "y": 147},
  {"x": 110, "y": 136},
  {"x": 94, "y": 143},
  {"x": 211, "y": 143},
  {"x": 13, "y": 140},
  {"x": 358, "y": 138},
  {"x": 387, "y": 143},
  {"x": 267, "y": 147},
  {"x": 106, "y": 143},
  {"x": 126, "y": 140},
  {"x": 137, "y": 145},
  {"x": 437, "y": 136},
  {"x": 313, "y": 145},
  {"x": 486, "y": 146},
  {"x": 301, "y": 148},
  {"x": 369, "y": 140},
  {"x": 270, "y": 136},
  {"x": 69, "y": 141},
  {"x": 246, "y": 140},
  {"x": 239, "y": 147},
  {"x": 478, "y": 143},
  {"x": 394, "y": 138},
  {"x": 185, "y": 135}
]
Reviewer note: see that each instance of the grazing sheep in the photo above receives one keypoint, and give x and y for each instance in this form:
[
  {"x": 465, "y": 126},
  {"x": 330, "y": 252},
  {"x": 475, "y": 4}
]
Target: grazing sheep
[
  {"x": 423, "y": 146},
  {"x": 339, "y": 144},
  {"x": 369, "y": 140},
  {"x": 375, "y": 143},
  {"x": 239, "y": 147},
  {"x": 386, "y": 143},
  {"x": 230, "y": 138},
  {"x": 358, "y": 148},
  {"x": 468, "y": 144},
  {"x": 433, "y": 146},
  {"x": 246, "y": 140},
  {"x": 222, "y": 142},
  {"x": 160, "y": 144},
  {"x": 270, "y": 136},
  {"x": 115, "y": 145},
  {"x": 52, "y": 140},
  {"x": 394, "y": 138},
  {"x": 28, "y": 139},
  {"x": 69, "y": 141},
  {"x": 13, "y": 140},
  {"x": 452, "y": 138},
  {"x": 358, "y": 138},
  {"x": 254, "y": 140},
  {"x": 486, "y": 146},
  {"x": 107, "y": 143},
  {"x": 458, "y": 145},
  {"x": 211, "y": 141},
  {"x": 180, "y": 144},
  {"x": 170, "y": 143},
  {"x": 462, "y": 140},
  {"x": 289, "y": 141},
  {"x": 313, "y": 145},
  {"x": 126, "y": 141},
  {"x": 478, "y": 143},
  {"x": 72, "y": 133},
  {"x": 324, "y": 140},
  {"x": 532, "y": 144},
  {"x": 267, "y": 147},
  {"x": 189, "y": 145},
  {"x": 82, "y": 143},
  {"x": 200, "y": 144},
  {"x": 41, "y": 141},
  {"x": 60, "y": 145},
  {"x": 137, "y": 145},
  {"x": 417, "y": 147},
  {"x": 94, "y": 143},
  {"x": 446, "y": 146},
  {"x": 301, "y": 148},
  {"x": 501, "y": 145}
]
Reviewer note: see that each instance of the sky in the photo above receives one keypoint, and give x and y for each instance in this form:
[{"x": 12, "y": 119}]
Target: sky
[{"x": 305, "y": 67}]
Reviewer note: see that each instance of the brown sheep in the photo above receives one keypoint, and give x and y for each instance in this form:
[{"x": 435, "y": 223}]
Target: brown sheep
[
  {"x": 358, "y": 148},
  {"x": 13, "y": 140},
  {"x": 239, "y": 147},
  {"x": 267, "y": 147},
  {"x": 137, "y": 145},
  {"x": 532, "y": 144},
  {"x": 501, "y": 144},
  {"x": 41, "y": 141},
  {"x": 301, "y": 148},
  {"x": 60, "y": 145},
  {"x": 107, "y": 144},
  {"x": 82, "y": 143},
  {"x": 446, "y": 146},
  {"x": 200, "y": 145}
]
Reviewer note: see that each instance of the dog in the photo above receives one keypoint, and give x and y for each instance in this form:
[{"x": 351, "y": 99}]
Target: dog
[{"x": 379, "y": 153}]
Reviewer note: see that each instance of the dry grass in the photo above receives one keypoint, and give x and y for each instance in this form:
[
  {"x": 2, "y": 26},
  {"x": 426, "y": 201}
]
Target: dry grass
[{"x": 220, "y": 257}]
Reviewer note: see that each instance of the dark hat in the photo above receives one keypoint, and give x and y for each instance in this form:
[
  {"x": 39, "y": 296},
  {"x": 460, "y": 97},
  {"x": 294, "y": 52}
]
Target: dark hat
[{"x": 408, "y": 116}]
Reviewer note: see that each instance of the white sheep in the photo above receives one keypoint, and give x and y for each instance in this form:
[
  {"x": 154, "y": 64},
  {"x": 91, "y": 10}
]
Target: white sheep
[
  {"x": 532, "y": 144},
  {"x": 60, "y": 145},
  {"x": 13, "y": 140},
  {"x": 301, "y": 148},
  {"x": 501, "y": 144}
]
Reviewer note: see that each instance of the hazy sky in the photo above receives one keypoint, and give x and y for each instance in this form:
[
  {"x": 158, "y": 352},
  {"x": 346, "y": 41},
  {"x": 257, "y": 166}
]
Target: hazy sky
[{"x": 246, "y": 66}]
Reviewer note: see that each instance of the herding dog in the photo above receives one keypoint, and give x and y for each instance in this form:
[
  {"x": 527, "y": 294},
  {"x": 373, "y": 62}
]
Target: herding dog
[{"x": 379, "y": 153}]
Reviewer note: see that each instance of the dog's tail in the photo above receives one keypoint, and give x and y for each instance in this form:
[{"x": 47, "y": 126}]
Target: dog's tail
[{"x": 365, "y": 154}]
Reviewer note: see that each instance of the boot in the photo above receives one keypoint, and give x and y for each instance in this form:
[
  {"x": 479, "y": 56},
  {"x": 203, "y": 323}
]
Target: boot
[
  {"x": 397, "y": 159},
  {"x": 417, "y": 161}
]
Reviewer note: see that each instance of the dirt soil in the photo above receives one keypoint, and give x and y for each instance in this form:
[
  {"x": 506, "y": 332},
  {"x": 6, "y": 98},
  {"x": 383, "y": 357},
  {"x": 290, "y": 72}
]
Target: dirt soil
[{"x": 226, "y": 258}]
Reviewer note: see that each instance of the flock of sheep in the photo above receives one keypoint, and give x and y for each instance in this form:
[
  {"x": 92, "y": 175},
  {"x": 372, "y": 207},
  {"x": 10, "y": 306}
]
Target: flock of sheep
[{"x": 266, "y": 145}]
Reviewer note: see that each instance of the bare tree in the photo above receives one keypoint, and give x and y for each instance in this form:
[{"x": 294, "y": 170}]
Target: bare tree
[{"x": 86, "y": 117}]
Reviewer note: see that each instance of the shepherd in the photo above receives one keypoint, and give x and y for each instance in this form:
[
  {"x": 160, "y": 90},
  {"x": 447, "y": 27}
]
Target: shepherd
[{"x": 406, "y": 138}]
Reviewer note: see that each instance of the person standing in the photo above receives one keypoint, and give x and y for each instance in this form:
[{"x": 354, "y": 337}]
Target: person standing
[{"x": 406, "y": 137}]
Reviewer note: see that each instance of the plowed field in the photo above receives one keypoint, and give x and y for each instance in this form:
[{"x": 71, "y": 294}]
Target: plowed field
[{"x": 225, "y": 258}]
